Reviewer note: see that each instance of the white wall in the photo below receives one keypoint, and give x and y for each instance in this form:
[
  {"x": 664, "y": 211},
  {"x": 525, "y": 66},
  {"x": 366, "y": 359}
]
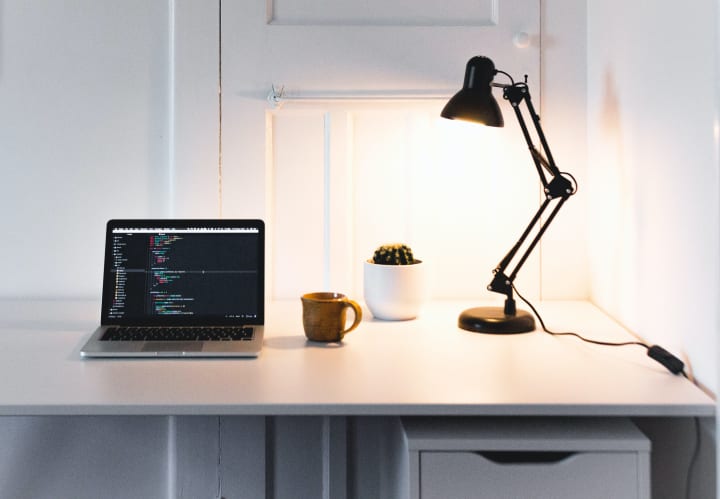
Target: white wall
[
  {"x": 83, "y": 106},
  {"x": 564, "y": 267},
  {"x": 653, "y": 172},
  {"x": 107, "y": 110},
  {"x": 115, "y": 114}
]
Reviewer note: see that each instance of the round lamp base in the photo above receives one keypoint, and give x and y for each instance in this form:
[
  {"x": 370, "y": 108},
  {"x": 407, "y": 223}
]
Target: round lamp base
[{"x": 492, "y": 320}]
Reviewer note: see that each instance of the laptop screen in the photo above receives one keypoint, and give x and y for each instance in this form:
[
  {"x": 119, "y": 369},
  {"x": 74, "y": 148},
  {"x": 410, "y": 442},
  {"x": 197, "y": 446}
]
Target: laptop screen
[{"x": 184, "y": 272}]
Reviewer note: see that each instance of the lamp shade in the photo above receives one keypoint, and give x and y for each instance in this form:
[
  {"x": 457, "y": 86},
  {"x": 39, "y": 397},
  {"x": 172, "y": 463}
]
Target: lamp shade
[{"x": 475, "y": 101}]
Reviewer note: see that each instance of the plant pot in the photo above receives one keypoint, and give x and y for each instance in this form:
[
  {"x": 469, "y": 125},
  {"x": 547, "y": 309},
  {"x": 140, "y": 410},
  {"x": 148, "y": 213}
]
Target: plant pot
[{"x": 394, "y": 292}]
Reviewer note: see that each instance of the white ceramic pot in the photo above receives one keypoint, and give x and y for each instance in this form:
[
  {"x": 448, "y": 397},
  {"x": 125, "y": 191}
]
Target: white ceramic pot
[{"x": 394, "y": 292}]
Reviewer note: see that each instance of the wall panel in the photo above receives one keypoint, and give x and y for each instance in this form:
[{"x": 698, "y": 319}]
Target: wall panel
[
  {"x": 348, "y": 177},
  {"x": 298, "y": 202},
  {"x": 379, "y": 12},
  {"x": 388, "y": 169},
  {"x": 83, "y": 457}
]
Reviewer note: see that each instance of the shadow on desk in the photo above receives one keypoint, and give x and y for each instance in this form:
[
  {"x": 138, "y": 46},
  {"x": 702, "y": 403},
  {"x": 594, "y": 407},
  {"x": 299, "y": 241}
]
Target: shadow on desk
[{"x": 298, "y": 342}]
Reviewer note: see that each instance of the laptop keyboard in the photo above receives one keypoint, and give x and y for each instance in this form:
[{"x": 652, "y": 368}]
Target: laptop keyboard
[{"x": 223, "y": 333}]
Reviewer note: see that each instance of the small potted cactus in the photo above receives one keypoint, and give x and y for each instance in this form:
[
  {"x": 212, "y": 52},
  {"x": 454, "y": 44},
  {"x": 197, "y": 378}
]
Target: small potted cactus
[
  {"x": 394, "y": 254},
  {"x": 394, "y": 283}
]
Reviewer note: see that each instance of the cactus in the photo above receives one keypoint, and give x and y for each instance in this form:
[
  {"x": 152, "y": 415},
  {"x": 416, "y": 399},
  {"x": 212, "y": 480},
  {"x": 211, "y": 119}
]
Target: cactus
[{"x": 394, "y": 254}]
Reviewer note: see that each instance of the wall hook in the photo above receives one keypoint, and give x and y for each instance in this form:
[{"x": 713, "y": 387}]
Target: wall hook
[{"x": 275, "y": 96}]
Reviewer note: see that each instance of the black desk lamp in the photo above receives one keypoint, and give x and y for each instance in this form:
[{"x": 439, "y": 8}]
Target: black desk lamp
[{"x": 476, "y": 103}]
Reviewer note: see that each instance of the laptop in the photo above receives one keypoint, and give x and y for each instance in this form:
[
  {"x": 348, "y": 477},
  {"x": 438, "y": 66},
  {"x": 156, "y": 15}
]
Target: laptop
[{"x": 181, "y": 288}]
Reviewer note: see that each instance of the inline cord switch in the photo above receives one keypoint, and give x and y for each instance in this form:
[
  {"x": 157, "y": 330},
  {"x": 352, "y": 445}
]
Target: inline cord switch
[{"x": 671, "y": 363}]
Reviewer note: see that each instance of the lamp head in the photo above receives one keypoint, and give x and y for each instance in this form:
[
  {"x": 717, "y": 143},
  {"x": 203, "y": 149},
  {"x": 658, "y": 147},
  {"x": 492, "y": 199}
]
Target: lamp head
[{"x": 475, "y": 101}]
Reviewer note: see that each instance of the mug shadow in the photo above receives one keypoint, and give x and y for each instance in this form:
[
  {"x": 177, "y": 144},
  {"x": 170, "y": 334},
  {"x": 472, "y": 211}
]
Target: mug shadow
[{"x": 298, "y": 342}]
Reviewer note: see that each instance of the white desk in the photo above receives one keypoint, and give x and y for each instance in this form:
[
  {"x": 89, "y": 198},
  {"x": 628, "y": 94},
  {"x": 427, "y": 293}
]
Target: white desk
[{"x": 423, "y": 367}]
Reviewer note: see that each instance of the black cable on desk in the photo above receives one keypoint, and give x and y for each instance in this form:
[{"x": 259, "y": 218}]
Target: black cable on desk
[{"x": 655, "y": 352}]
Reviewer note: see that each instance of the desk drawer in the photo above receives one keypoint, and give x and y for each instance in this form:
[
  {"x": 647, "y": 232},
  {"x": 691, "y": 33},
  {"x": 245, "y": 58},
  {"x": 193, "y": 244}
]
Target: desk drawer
[
  {"x": 527, "y": 458},
  {"x": 529, "y": 475}
]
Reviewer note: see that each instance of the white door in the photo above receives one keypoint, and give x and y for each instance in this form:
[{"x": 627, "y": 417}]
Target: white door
[{"x": 354, "y": 155}]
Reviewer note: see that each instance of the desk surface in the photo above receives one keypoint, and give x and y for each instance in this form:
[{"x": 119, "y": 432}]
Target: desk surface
[{"x": 422, "y": 367}]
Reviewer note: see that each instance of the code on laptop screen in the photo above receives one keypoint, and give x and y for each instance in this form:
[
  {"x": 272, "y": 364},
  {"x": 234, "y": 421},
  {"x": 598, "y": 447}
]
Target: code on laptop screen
[{"x": 178, "y": 275}]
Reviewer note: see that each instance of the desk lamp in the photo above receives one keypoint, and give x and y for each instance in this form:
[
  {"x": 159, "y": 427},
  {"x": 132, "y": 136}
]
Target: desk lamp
[{"x": 476, "y": 103}]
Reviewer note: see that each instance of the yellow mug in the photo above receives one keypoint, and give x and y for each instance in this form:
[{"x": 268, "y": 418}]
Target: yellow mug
[{"x": 324, "y": 316}]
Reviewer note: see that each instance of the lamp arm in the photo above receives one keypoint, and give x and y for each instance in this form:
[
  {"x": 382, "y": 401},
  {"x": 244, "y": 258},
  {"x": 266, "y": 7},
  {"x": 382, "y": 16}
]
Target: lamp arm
[
  {"x": 537, "y": 237},
  {"x": 538, "y": 159},
  {"x": 500, "y": 268},
  {"x": 516, "y": 94},
  {"x": 501, "y": 283},
  {"x": 557, "y": 186}
]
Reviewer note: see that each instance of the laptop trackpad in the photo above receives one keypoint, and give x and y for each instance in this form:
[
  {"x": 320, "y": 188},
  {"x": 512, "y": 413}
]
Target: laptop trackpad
[{"x": 172, "y": 346}]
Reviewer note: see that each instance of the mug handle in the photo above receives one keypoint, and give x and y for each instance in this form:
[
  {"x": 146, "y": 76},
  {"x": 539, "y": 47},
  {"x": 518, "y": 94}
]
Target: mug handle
[{"x": 358, "y": 316}]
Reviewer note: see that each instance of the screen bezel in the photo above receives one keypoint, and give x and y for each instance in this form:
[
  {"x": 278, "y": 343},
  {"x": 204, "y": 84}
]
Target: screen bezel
[{"x": 181, "y": 224}]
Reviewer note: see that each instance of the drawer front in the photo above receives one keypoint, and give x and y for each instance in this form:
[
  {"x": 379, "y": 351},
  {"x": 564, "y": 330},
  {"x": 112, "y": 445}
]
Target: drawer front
[{"x": 592, "y": 475}]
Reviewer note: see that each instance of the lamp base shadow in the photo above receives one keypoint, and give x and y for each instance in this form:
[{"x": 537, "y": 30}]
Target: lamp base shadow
[{"x": 493, "y": 320}]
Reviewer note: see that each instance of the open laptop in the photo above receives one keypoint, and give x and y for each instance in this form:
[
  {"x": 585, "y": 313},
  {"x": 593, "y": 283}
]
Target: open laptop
[{"x": 181, "y": 288}]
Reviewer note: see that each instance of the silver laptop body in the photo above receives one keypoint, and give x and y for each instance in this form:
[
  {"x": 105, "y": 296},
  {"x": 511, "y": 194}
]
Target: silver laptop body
[{"x": 181, "y": 288}]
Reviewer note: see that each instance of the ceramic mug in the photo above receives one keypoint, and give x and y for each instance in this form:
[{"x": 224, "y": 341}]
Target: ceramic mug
[{"x": 324, "y": 316}]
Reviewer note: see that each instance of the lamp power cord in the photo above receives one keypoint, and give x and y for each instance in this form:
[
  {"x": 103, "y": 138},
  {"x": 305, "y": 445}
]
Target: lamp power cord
[{"x": 655, "y": 352}]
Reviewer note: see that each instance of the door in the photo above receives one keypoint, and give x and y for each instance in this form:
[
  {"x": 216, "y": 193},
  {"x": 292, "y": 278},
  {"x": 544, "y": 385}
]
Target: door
[{"x": 350, "y": 153}]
